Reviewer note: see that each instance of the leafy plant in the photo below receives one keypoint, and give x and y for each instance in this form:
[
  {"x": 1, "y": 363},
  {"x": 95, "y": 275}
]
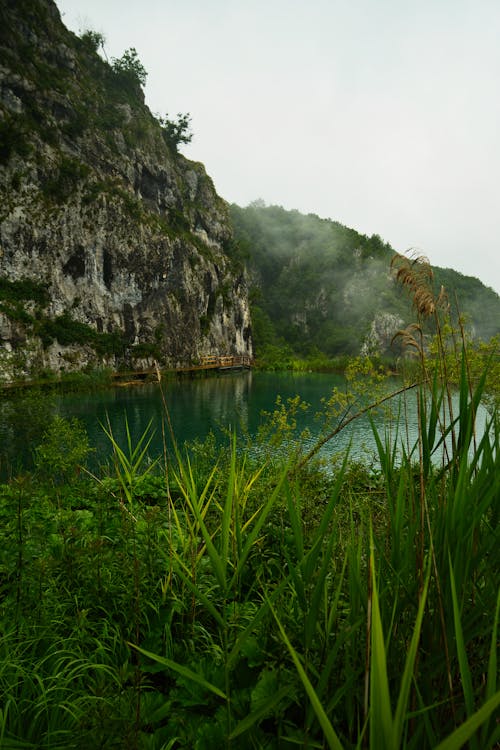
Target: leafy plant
[
  {"x": 64, "y": 182},
  {"x": 176, "y": 131},
  {"x": 130, "y": 463},
  {"x": 129, "y": 68},
  {"x": 69, "y": 331},
  {"x": 63, "y": 450},
  {"x": 93, "y": 40},
  {"x": 24, "y": 289}
]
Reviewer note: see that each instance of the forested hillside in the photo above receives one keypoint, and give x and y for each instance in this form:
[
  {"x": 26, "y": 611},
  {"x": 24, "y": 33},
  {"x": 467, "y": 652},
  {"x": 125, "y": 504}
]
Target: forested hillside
[{"x": 318, "y": 286}]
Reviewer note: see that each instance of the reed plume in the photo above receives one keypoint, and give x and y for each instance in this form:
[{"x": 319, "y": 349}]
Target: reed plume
[{"x": 415, "y": 274}]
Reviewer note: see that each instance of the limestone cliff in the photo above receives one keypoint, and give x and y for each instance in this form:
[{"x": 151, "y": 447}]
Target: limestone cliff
[{"x": 114, "y": 249}]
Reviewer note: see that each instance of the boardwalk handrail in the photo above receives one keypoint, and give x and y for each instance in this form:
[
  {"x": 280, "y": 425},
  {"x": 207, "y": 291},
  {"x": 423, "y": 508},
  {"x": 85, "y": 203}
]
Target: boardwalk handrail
[
  {"x": 229, "y": 360},
  {"x": 206, "y": 362},
  {"x": 210, "y": 359}
]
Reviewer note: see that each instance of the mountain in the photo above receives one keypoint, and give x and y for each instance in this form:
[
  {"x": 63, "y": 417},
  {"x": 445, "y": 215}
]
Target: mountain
[
  {"x": 115, "y": 250},
  {"x": 317, "y": 285}
]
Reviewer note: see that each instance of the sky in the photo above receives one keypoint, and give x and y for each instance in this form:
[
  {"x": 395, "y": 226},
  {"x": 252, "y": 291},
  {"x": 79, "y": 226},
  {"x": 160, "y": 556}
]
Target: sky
[{"x": 383, "y": 115}]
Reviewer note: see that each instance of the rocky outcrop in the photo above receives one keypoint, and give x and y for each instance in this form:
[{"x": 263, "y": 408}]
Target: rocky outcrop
[
  {"x": 115, "y": 250},
  {"x": 380, "y": 338}
]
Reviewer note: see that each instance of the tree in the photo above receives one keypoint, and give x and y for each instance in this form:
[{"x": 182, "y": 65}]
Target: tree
[
  {"x": 129, "y": 67},
  {"x": 93, "y": 40},
  {"x": 176, "y": 131}
]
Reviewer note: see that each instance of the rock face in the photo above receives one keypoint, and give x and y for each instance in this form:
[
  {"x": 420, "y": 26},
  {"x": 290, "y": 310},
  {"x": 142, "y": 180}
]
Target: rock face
[
  {"x": 380, "y": 337},
  {"x": 115, "y": 250}
]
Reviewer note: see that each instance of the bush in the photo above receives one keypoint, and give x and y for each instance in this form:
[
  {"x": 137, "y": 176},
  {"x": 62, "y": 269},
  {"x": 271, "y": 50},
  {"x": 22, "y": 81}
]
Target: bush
[
  {"x": 176, "y": 131},
  {"x": 60, "y": 187},
  {"x": 129, "y": 68},
  {"x": 12, "y": 139},
  {"x": 68, "y": 331},
  {"x": 92, "y": 40},
  {"x": 63, "y": 450},
  {"x": 23, "y": 289}
]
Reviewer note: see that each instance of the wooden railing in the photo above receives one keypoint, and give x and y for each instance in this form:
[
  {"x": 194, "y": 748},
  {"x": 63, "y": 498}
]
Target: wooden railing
[
  {"x": 207, "y": 362},
  {"x": 213, "y": 360}
]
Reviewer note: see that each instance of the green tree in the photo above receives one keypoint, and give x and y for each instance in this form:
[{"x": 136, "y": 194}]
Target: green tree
[
  {"x": 129, "y": 67},
  {"x": 63, "y": 450},
  {"x": 93, "y": 40},
  {"x": 176, "y": 131}
]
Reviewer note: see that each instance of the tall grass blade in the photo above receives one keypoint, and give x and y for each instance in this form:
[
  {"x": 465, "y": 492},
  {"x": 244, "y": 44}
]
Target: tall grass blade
[
  {"x": 253, "y": 718},
  {"x": 129, "y": 467},
  {"x": 491, "y": 681},
  {"x": 328, "y": 730},
  {"x": 295, "y": 523},
  {"x": 461, "y": 650},
  {"x": 406, "y": 680},
  {"x": 381, "y": 725},
  {"x": 252, "y": 624},
  {"x": 323, "y": 526},
  {"x": 228, "y": 510},
  {"x": 256, "y": 529},
  {"x": 199, "y": 508},
  {"x": 319, "y": 591},
  {"x": 202, "y": 597},
  {"x": 182, "y": 670},
  {"x": 464, "y": 732}
]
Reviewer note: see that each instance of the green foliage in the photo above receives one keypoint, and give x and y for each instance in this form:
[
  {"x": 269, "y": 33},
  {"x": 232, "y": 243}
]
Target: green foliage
[
  {"x": 218, "y": 600},
  {"x": 278, "y": 356},
  {"x": 93, "y": 40},
  {"x": 176, "y": 131},
  {"x": 16, "y": 311},
  {"x": 23, "y": 289},
  {"x": 259, "y": 608},
  {"x": 130, "y": 462},
  {"x": 481, "y": 356},
  {"x": 24, "y": 418},
  {"x": 68, "y": 331},
  {"x": 13, "y": 298},
  {"x": 263, "y": 330},
  {"x": 318, "y": 285},
  {"x": 13, "y": 138},
  {"x": 129, "y": 69},
  {"x": 63, "y": 184},
  {"x": 63, "y": 450},
  {"x": 130, "y": 203},
  {"x": 81, "y": 381},
  {"x": 147, "y": 349},
  {"x": 15, "y": 294}
]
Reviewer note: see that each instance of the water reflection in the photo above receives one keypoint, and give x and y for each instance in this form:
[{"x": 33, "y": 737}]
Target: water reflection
[{"x": 216, "y": 404}]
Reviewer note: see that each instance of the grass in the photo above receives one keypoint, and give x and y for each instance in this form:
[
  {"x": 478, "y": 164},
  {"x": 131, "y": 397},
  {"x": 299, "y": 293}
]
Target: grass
[{"x": 218, "y": 601}]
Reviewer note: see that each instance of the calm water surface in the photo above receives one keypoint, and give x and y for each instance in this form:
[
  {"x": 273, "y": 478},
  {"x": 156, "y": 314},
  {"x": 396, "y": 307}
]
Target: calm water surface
[
  {"x": 196, "y": 407},
  {"x": 200, "y": 406}
]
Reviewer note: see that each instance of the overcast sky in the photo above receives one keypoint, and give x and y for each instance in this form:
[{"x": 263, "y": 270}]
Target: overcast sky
[{"x": 381, "y": 114}]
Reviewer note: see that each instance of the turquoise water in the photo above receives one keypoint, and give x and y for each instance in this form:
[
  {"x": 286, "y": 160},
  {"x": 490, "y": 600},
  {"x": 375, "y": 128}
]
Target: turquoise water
[
  {"x": 216, "y": 404},
  {"x": 197, "y": 407}
]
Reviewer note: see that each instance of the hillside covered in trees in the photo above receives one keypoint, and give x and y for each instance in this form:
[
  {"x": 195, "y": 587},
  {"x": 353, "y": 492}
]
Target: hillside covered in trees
[{"x": 318, "y": 286}]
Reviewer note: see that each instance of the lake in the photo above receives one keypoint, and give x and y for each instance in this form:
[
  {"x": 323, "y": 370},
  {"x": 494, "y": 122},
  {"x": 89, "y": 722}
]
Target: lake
[
  {"x": 203, "y": 405},
  {"x": 196, "y": 407},
  {"x": 215, "y": 404}
]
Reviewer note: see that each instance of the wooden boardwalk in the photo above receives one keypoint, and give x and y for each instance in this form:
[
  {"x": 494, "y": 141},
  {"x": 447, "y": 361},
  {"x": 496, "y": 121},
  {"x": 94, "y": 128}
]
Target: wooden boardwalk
[{"x": 207, "y": 363}]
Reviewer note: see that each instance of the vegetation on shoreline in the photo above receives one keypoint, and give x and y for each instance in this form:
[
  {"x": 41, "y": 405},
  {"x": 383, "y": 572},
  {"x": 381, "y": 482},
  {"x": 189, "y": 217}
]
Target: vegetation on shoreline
[{"x": 216, "y": 600}]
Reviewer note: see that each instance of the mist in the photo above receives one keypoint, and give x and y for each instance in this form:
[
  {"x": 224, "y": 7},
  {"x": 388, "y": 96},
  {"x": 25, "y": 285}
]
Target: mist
[{"x": 318, "y": 285}]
